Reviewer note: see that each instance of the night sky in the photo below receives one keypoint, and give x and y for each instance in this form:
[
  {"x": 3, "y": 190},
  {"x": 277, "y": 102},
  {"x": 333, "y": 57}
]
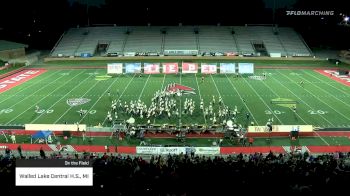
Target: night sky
[
  {"x": 40, "y": 23},
  {"x": 268, "y": 3}
]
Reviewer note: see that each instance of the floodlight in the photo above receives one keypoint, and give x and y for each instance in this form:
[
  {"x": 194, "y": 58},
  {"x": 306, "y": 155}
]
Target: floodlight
[{"x": 346, "y": 19}]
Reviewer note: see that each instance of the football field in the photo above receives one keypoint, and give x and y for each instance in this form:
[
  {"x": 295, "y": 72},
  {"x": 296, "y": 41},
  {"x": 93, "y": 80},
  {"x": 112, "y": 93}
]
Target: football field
[{"x": 60, "y": 94}]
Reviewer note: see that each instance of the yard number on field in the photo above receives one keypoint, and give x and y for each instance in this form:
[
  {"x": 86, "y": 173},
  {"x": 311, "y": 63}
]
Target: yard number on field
[
  {"x": 44, "y": 111},
  {"x": 317, "y": 112},
  {"x": 277, "y": 112},
  {"x": 6, "y": 111},
  {"x": 90, "y": 112}
]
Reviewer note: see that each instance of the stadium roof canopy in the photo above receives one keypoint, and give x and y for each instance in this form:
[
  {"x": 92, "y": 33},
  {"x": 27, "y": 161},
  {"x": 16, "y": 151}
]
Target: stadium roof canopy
[{"x": 7, "y": 45}]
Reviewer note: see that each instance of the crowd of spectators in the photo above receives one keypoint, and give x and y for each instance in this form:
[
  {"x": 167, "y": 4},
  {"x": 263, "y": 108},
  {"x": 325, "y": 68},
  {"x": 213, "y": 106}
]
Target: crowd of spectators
[{"x": 203, "y": 175}]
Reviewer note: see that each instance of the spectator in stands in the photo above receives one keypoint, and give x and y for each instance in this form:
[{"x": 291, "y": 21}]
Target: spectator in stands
[
  {"x": 290, "y": 172},
  {"x": 7, "y": 153},
  {"x": 19, "y": 149},
  {"x": 42, "y": 153}
]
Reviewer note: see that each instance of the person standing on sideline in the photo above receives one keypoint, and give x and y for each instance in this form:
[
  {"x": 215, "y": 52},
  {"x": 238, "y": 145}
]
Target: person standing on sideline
[
  {"x": 13, "y": 138},
  {"x": 251, "y": 141},
  {"x": 84, "y": 134},
  {"x": 244, "y": 142}
]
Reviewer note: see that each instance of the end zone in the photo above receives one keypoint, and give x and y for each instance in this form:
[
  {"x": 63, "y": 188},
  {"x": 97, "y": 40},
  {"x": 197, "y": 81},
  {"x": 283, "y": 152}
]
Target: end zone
[
  {"x": 334, "y": 75},
  {"x": 19, "y": 78}
]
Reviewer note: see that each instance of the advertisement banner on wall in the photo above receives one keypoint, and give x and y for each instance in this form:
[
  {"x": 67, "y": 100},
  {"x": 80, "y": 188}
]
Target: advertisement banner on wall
[
  {"x": 281, "y": 128},
  {"x": 207, "y": 150},
  {"x": 227, "y": 68},
  {"x": 160, "y": 150},
  {"x": 208, "y": 68},
  {"x": 189, "y": 67},
  {"x": 246, "y": 68},
  {"x": 115, "y": 68},
  {"x": 147, "y": 150},
  {"x": 172, "y": 150},
  {"x": 151, "y": 68},
  {"x": 170, "y": 68},
  {"x": 132, "y": 67}
]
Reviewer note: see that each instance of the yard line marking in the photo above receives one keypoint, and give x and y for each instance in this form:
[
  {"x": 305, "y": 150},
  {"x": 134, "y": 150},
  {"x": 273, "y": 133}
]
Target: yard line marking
[
  {"x": 300, "y": 100},
  {"x": 200, "y": 96},
  {"x": 322, "y": 101},
  {"x": 279, "y": 96},
  {"x": 180, "y": 104},
  {"x": 256, "y": 122},
  {"x": 121, "y": 95},
  {"x": 98, "y": 99},
  {"x": 44, "y": 97},
  {"x": 144, "y": 86},
  {"x": 263, "y": 101},
  {"x": 33, "y": 94},
  {"x": 163, "y": 82},
  {"x": 327, "y": 92},
  {"x": 80, "y": 97},
  {"x": 34, "y": 83},
  {"x": 322, "y": 138},
  {"x": 63, "y": 97},
  {"x": 217, "y": 88},
  {"x": 328, "y": 83}
]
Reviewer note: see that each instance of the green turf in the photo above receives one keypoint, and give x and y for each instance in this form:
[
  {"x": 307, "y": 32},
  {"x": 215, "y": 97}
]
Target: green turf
[
  {"x": 276, "y": 141},
  {"x": 322, "y": 102},
  {"x": 257, "y": 62}
]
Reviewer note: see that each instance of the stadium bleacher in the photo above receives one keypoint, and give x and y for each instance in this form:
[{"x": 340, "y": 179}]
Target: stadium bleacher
[
  {"x": 293, "y": 42},
  {"x": 216, "y": 39},
  {"x": 144, "y": 39},
  {"x": 116, "y": 37},
  {"x": 244, "y": 37},
  {"x": 180, "y": 38},
  {"x": 271, "y": 41},
  {"x": 70, "y": 42},
  {"x": 205, "y": 39}
]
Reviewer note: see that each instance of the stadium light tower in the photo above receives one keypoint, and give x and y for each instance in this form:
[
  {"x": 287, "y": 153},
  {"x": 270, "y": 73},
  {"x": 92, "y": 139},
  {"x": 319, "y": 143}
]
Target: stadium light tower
[
  {"x": 148, "y": 17},
  {"x": 274, "y": 12},
  {"x": 346, "y": 19},
  {"x": 87, "y": 13}
]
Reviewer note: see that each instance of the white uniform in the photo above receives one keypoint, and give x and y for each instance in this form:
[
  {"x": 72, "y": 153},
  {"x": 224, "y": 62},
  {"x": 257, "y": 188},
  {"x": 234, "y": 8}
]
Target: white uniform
[{"x": 13, "y": 139}]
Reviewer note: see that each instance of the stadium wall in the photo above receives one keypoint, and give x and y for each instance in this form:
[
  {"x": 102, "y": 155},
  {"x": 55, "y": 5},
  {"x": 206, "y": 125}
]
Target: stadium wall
[
  {"x": 14, "y": 53},
  {"x": 178, "y": 58}
]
